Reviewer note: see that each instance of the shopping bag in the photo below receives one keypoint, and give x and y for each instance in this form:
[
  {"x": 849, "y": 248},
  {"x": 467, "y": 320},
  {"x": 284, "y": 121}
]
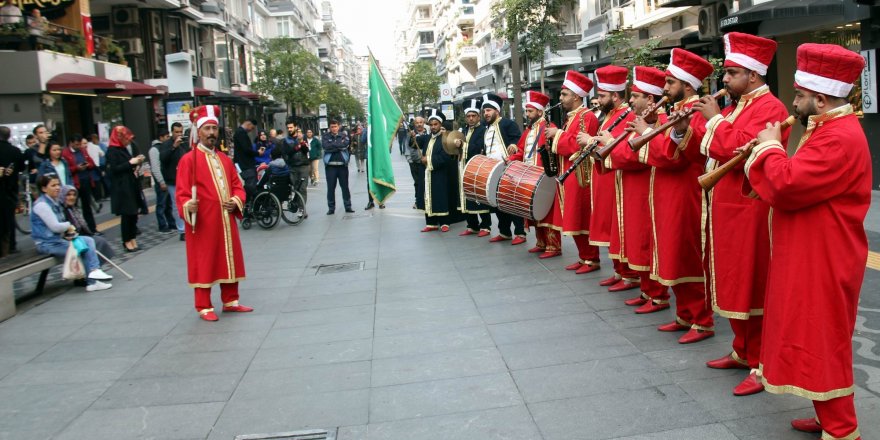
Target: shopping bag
[{"x": 73, "y": 265}]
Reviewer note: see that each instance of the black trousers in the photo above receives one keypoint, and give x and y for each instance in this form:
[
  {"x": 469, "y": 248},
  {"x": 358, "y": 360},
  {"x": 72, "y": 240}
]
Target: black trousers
[
  {"x": 484, "y": 221},
  {"x": 129, "y": 227},
  {"x": 7, "y": 227},
  {"x": 336, "y": 173},
  {"x": 249, "y": 181},
  {"x": 504, "y": 222},
  {"x": 300, "y": 173},
  {"x": 437, "y": 220},
  {"x": 85, "y": 203},
  {"x": 418, "y": 174}
]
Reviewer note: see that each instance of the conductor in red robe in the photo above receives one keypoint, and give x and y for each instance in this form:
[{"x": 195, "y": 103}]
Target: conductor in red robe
[
  {"x": 820, "y": 197},
  {"x": 574, "y": 193},
  {"x": 210, "y": 197}
]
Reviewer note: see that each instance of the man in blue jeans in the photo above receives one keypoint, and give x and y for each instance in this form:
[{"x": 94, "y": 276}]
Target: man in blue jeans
[
  {"x": 336, "y": 157},
  {"x": 169, "y": 155}
]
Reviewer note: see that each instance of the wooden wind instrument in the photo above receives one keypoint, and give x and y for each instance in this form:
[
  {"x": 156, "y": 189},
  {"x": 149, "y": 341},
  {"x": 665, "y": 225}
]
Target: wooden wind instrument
[
  {"x": 588, "y": 150},
  {"x": 639, "y": 142},
  {"x": 603, "y": 152}
]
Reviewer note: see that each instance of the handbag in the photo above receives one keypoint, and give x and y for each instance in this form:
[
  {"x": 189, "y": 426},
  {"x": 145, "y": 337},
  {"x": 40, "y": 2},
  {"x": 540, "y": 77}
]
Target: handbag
[
  {"x": 79, "y": 244},
  {"x": 73, "y": 265}
]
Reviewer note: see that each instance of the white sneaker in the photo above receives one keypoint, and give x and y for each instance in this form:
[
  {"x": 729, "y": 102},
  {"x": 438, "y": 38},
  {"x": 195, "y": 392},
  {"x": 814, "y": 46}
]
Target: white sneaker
[
  {"x": 100, "y": 275},
  {"x": 98, "y": 286}
]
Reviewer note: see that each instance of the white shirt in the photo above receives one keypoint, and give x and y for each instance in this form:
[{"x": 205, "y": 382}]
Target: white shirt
[
  {"x": 95, "y": 153},
  {"x": 494, "y": 143}
]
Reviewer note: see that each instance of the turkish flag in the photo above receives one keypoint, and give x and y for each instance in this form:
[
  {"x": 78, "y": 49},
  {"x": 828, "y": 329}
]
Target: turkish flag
[{"x": 88, "y": 34}]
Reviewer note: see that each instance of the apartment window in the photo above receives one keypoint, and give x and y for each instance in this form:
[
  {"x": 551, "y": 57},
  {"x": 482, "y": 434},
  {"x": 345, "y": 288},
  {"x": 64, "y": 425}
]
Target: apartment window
[
  {"x": 426, "y": 37},
  {"x": 607, "y": 5},
  {"x": 424, "y": 13},
  {"x": 285, "y": 25}
]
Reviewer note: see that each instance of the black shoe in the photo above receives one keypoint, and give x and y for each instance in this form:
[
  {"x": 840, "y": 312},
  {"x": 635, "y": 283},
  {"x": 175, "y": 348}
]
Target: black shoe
[
  {"x": 369, "y": 206},
  {"x": 349, "y": 210},
  {"x": 164, "y": 230},
  {"x": 330, "y": 212},
  {"x": 381, "y": 206},
  {"x": 182, "y": 237}
]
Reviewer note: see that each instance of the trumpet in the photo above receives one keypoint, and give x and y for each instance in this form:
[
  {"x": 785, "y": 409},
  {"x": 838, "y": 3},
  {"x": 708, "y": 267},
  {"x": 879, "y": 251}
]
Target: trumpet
[
  {"x": 708, "y": 180},
  {"x": 603, "y": 152},
  {"x": 588, "y": 150},
  {"x": 639, "y": 142}
]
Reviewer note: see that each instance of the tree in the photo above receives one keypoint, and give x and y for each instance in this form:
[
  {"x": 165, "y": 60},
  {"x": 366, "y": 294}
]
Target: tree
[
  {"x": 288, "y": 72},
  {"x": 339, "y": 100},
  {"x": 620, "y": 43},
  {"x": 532, "y": 27},
  {"x": 419, "y": 85}
]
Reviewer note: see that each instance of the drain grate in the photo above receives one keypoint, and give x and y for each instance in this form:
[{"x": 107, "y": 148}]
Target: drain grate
[
  {"x": 354, "y": 216},
  {"x": 325, "y": 269},
  {"x": 315, "y": 434}
]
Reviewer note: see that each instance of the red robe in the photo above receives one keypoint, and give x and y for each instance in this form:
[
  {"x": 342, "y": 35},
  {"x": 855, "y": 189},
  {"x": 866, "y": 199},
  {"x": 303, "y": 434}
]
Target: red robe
[
  {"x": 820, "y": 197},
  {"x": 632, "y": 190},
  {"x": 675, "y": 211},
  {"x": 527, "y": 151},
  {"x": 574, "y": 194},
  {"x": 213, "y": 248},
  {"x": 602, "y": 190},
  {"x": 736, "y": 237}
]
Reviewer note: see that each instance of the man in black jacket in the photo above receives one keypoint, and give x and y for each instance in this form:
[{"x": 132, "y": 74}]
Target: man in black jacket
[
  {"x": 295, "y": 151},
  {"x": 246, "y": 157},
  {"x": 11, "y": 162},
  {"x": 336, "y": 157},
  {"x": 169, "y": 155}
]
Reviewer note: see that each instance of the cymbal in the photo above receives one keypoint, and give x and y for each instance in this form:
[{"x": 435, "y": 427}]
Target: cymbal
[{"x": 449, "y": 142}]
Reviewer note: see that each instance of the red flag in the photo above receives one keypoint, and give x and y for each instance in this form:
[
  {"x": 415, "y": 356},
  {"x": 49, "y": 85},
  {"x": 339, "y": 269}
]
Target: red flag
[{"x": 88, "y": 34}]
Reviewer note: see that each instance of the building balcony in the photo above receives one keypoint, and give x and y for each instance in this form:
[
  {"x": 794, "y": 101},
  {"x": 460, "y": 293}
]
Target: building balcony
[
  {"x": 426, "y": 51},
  {"x": 499, "y": 52},
  {"x": 468, "y": 53},
  {"x": 465, "y": 16},
  {"x": 34, "y": 70}
]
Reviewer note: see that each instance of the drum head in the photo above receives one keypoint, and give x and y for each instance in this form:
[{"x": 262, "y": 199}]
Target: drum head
[
  {"x": 545, "y": 191},
  {"x": 492, "y": 186}
]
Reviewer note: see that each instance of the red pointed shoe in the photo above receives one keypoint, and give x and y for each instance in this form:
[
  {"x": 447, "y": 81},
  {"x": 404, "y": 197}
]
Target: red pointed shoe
[
  {"x": 673, "y": 326},
  {"x": 444, "y": 228},
  {"x": 517, "y": 240},
  {"x": 574, "y": 266},
  {"x": 726, "y": 363},
  {"x": 637, "y": 301},
  {"x": 750, "y": 385},
  {"x": 587, "y": 268},
  {"x": 483, "y": 233},
  {"x": 807, "y": 425},
  {"x": 622, "y": 285},
  {"x": 208, "y": 315},
  {"x": 497, "y": 239},
  {"x": 235, "y": 307},
  {"x": 466, "y": 233},
  {"x": 650, "y": 307},
  {"x": 610, "y": 281},
  {"x": 429, "y": 229},
  {"x": 536, "y": 250},
  {"x": 549, "y": 254},
  {"x": 695, "y": 335}
]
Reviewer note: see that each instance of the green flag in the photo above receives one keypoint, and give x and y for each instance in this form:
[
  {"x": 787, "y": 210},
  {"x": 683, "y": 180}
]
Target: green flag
[{"x": 383, "y": 116}]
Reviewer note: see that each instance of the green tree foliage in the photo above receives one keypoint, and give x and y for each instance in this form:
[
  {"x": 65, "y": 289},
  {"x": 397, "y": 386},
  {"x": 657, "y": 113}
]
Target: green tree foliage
[
  {"x": 619, "y": 44},
  {"x": 288, "y": 72},
  {"x": 339, "y": 100},
  {"x": 419, "y": 85}
]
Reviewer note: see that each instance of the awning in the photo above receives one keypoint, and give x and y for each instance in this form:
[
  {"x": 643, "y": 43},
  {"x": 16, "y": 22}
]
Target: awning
[
  {"x": 66, "y": 82},
  {"x": 247, "y": 95},
  {"x": 137, "y": 89},
  {"x": 791, "y": 16}
]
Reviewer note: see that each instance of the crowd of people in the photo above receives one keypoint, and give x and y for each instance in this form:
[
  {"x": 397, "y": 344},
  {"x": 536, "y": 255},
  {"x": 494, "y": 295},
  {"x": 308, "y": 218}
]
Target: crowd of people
[{"x": 638, "y": 195}]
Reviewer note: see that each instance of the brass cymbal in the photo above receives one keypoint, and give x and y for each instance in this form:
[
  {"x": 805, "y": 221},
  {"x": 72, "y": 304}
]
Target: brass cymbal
[{"x": 449, "y": 139}]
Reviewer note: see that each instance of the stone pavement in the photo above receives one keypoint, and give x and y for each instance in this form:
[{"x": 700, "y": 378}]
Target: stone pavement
[{"x": 434, "y": 337}]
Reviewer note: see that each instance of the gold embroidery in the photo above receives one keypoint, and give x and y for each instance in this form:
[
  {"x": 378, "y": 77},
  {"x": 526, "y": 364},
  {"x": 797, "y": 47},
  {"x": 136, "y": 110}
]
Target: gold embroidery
[
  {"x": 802, "y": 392},
  {"x": 852, "y": 436}
]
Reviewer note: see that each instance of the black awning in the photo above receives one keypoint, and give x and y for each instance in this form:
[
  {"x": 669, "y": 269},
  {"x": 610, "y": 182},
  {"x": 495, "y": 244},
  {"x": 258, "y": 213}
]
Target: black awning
[
  {"x": 829, "y": 11},
  {"x": 679, "y": 3}
]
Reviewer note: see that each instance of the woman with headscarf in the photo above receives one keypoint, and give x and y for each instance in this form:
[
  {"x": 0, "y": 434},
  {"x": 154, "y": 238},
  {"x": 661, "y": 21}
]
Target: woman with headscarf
[
  {"x": 267, "y": 145},
  {"x": 67, "y": 200},
  {"x": 125, "y": 194}
]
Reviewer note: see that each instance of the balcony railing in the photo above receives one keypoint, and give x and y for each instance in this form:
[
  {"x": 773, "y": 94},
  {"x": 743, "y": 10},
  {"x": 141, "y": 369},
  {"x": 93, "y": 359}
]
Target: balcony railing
[
  {"x": 468, "y": 53},
  {"x": 31, "y": 35}
]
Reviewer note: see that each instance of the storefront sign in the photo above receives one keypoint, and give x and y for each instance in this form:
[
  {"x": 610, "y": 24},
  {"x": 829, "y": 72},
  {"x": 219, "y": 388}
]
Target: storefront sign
[
  {"x": 869, "y": 82},
  {"x": 447, "y": 111},
  {"x": 178, "y": 111},
  {"x": 27, "y": 5}
]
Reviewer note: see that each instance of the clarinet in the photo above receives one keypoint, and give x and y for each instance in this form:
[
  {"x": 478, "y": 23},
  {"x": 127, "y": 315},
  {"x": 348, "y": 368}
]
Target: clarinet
[
  {"x": 548, "y": 161},
  {"x": 586, "y": 151}
]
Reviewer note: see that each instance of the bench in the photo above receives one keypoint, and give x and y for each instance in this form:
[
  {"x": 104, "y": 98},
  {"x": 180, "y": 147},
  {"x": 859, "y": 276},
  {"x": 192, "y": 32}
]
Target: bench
[{"x": 16, "y": 266}]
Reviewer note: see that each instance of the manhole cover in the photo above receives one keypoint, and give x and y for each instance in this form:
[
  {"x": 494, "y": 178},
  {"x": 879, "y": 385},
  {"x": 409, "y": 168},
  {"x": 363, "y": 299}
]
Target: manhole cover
[
  {"x": 325, "y": 269},
  {"x": 315, "y": 434},
  {"x": 354, "y": 216}
]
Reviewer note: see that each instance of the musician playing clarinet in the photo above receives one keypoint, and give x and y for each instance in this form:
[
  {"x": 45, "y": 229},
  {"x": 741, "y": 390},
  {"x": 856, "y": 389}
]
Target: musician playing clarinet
[
  {"x": 499, "y": 141},
  {"x": 574, "y": 193},
  {"x": 549, "y": 242},
  {"x": 737, "y": 246},
  {"x": 611, "y": 92},
  {"x": 820, "y": 196}
]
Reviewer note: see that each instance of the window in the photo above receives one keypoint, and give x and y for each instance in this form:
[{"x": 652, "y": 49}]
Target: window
[
  {"x": 285, "y": 26},
  {"x": 424, "y": 13},
  {"x": 426, "y": 37}
]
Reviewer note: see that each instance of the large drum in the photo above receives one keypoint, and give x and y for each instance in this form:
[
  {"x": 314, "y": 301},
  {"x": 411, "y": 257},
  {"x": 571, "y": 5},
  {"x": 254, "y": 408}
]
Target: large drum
[
  {"x": 480, "y": 179},
  {"x": 526, "y": 191}
]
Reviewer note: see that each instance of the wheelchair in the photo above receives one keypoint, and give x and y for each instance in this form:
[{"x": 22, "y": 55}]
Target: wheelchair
[{"x": 276, "y": 199}]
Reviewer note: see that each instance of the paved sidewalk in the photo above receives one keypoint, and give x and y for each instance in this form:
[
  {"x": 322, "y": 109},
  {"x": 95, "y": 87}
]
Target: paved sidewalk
[{"x": 436, "y": 337}]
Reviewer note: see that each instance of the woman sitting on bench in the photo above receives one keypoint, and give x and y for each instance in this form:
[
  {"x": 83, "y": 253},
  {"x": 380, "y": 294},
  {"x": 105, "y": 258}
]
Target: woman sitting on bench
[{"x": 52, "y": 233}]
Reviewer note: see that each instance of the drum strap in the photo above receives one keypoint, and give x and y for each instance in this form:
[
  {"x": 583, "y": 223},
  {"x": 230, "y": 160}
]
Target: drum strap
[{"x": 537, "y": 139}]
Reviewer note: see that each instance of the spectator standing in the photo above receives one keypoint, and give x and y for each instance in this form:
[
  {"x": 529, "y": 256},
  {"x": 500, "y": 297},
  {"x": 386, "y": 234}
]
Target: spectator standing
[
  {"x": 359, "y": 148},
  {"x": 414, "y": 158},
  {"x": 10, "y": 14},
  {"x": 169, "y": 156},
  {"x": 336, "y": 156},
  {"x": 37, "y": 24},
  {"x": 164, "y": 214},
  {"x": 125, "y": 198},
  {"x": 80, "y": 163},
  {"x": 37, "y": 153},
  {"x": 402, "y": 137},
  {"x": 56, "y": 165},
  {"x": 315, "y": 153},
  {"x": 296, "y": 153},
  {"x": 97, "y": 155},
  {"x": 264, "y": 146},
  {"x": 245, "y": 156},
  {"x": 11, "y": 162}
]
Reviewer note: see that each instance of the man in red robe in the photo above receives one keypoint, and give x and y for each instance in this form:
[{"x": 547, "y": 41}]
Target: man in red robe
[
  {"x": 549, "y": 242},
  {"x": 819, "y": 197},
  {"x": 574, "y": 193},
  {"x": 676, "y": 211},
  {"x": 611, "y": 93},
  {"x": 737, "y": 242},
  {"x": 210, "y": 196},
  {"x": 632, "y": 186}
]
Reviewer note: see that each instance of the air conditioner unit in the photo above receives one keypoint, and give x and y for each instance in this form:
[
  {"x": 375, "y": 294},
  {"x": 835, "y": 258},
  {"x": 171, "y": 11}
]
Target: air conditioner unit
[
  {"x": 125, "y": 16},
  {"x": 131, "y": 46},
  {"x": 194, "y": 68},
  {"x": 156, "y": 25},
  {"x": 709, "y": 20}
]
